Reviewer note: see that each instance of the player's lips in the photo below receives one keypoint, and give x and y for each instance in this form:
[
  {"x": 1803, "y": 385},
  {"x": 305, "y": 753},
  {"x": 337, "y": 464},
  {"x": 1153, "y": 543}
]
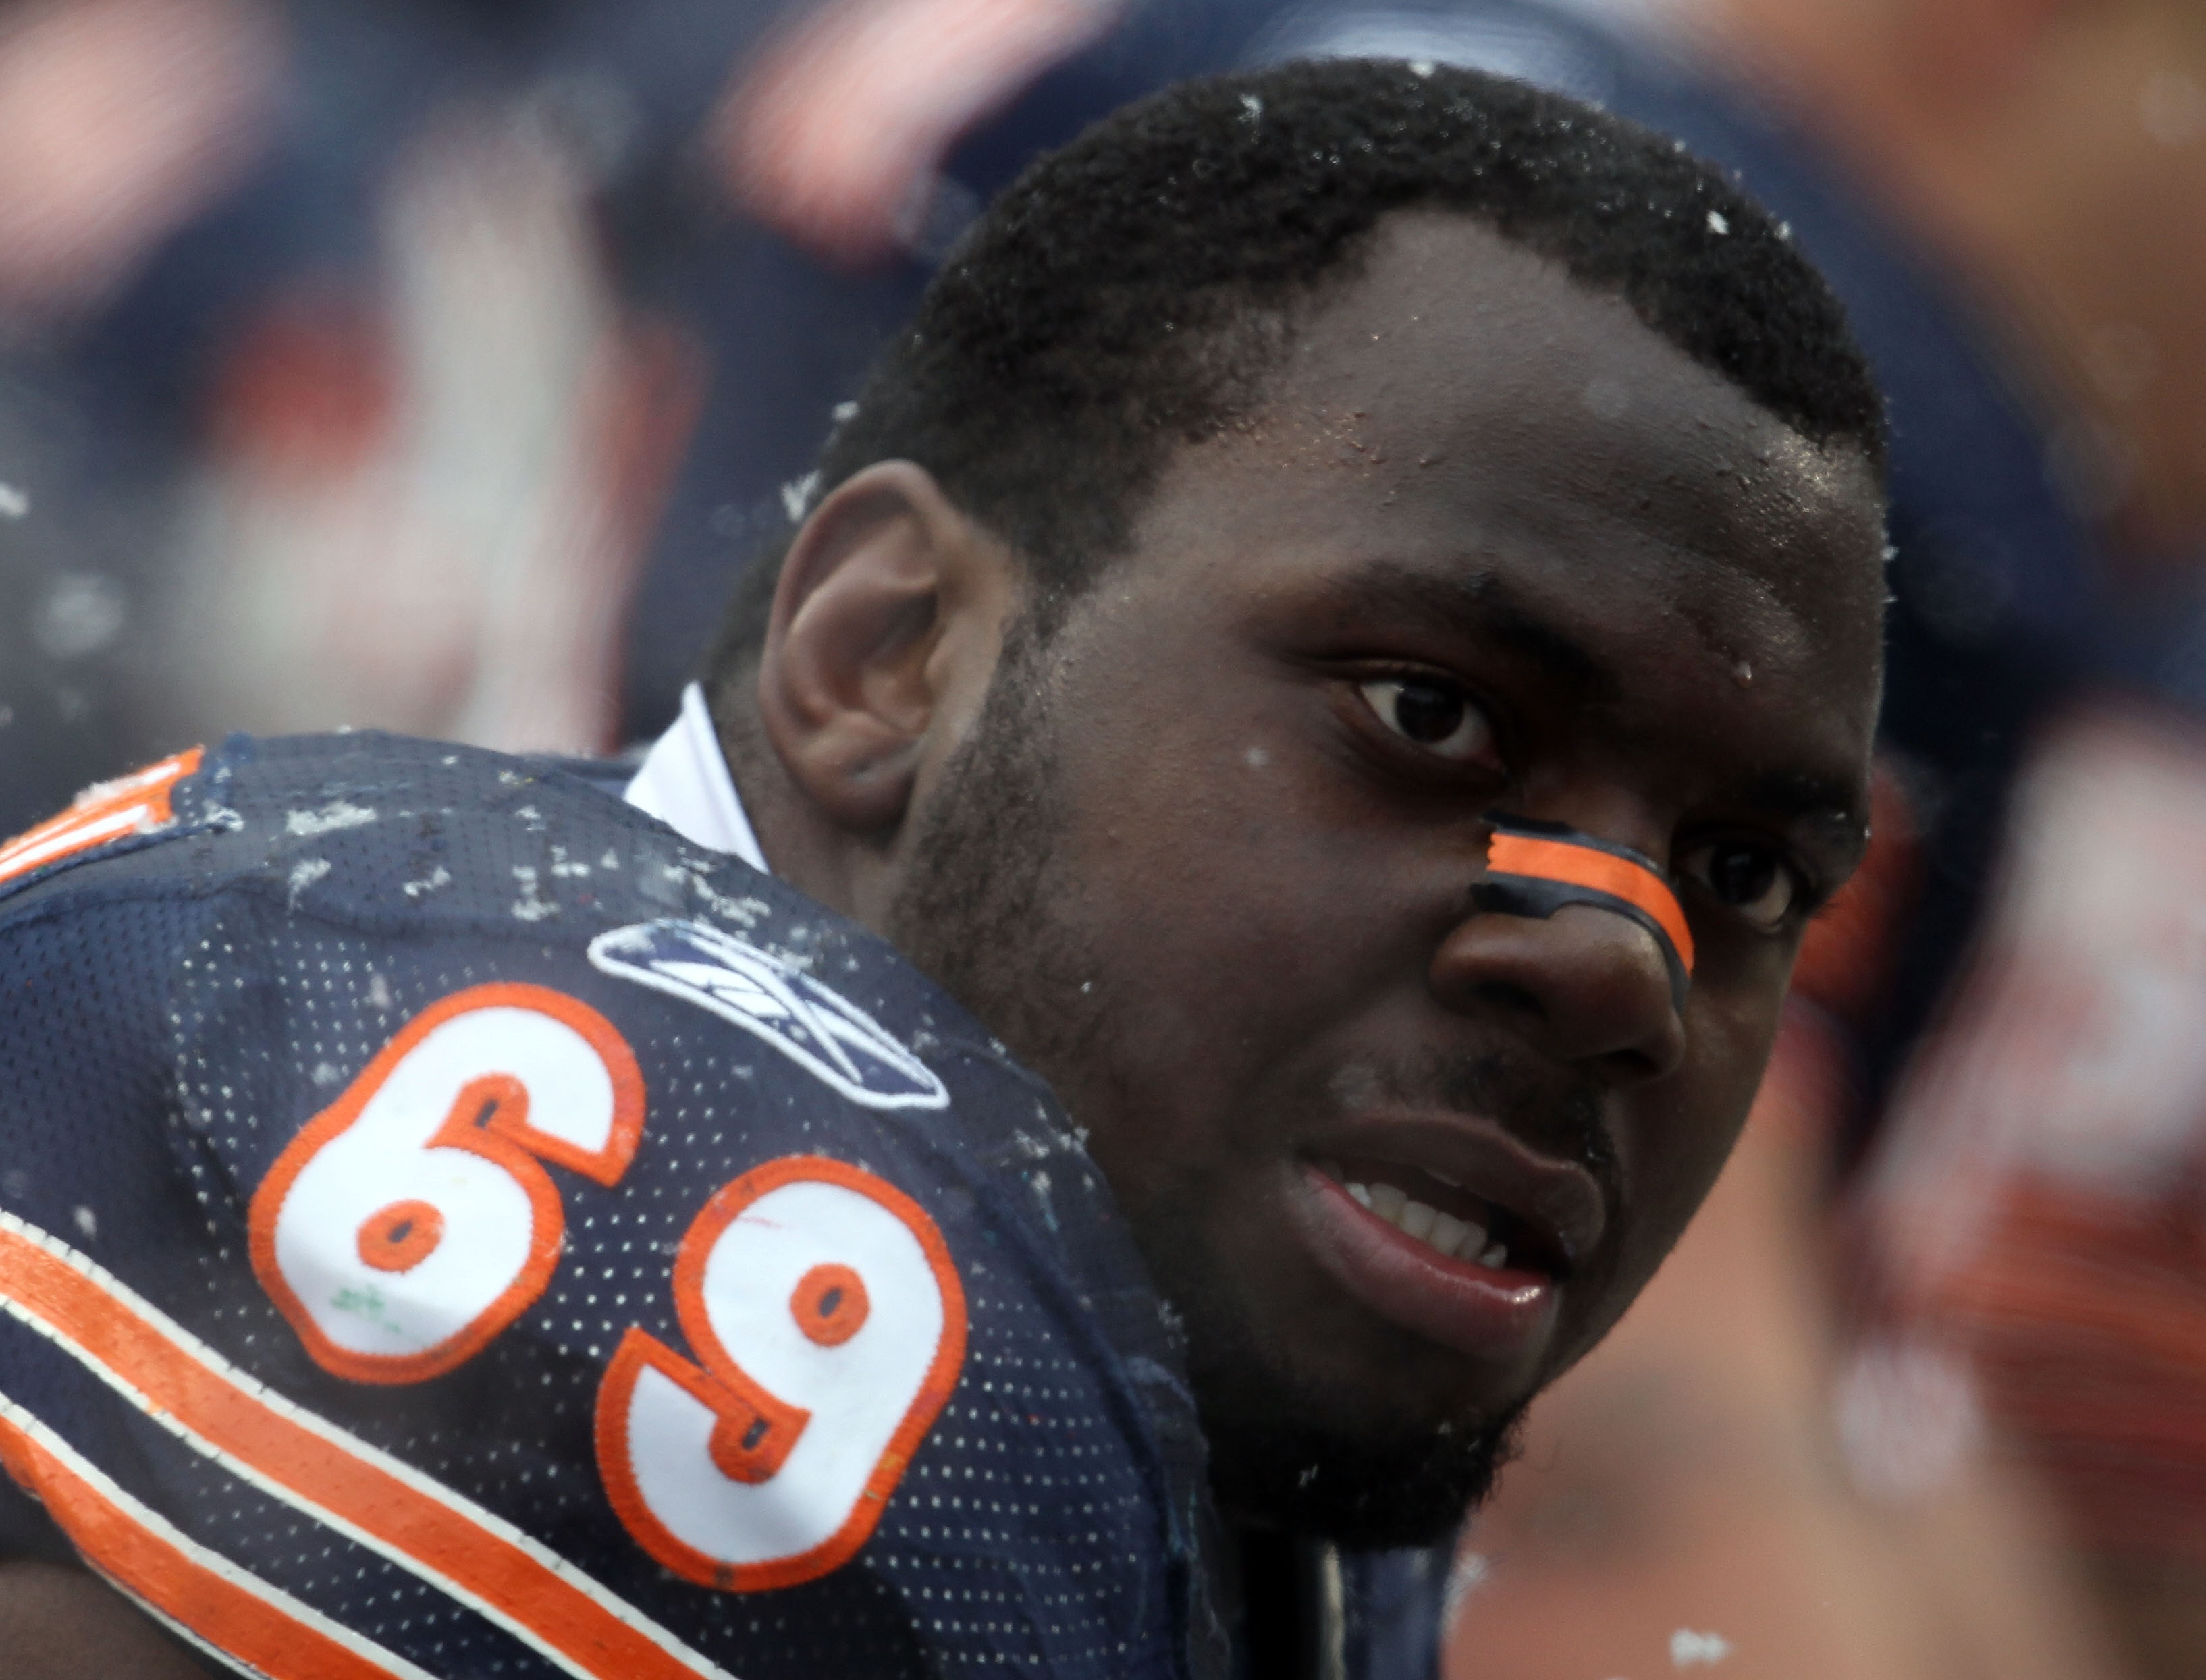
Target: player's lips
[{"x": 1449, "y": 1227}]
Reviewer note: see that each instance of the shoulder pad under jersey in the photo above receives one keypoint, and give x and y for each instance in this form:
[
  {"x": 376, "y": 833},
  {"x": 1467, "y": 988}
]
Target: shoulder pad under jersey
[{"x": 451, "y": 1225}]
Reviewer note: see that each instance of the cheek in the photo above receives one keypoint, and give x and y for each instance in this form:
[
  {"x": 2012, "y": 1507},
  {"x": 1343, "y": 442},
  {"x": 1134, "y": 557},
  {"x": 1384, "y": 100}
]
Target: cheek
[
  {"x": 1234, "y": 929},
  {"x": 1201, "y": 854},
  {"x": 1224, "y": 944}
]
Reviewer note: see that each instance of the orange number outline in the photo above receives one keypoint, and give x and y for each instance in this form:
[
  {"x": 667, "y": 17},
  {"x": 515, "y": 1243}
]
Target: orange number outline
[
  {"x": 720, "y": 1375},
  {"x": 507, "y": 1141}
]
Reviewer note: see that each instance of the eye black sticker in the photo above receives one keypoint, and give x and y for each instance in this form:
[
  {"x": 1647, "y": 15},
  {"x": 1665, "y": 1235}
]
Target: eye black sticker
[{"x": 1536, "y": 868}]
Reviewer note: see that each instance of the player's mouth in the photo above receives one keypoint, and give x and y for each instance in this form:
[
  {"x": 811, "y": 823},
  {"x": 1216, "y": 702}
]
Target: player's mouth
[{"x": 1451, "y": 1230}]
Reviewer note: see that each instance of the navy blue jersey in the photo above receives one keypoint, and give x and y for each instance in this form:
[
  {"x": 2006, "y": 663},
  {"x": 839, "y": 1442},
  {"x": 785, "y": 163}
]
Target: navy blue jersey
[{"x": 453, "y": 1226}]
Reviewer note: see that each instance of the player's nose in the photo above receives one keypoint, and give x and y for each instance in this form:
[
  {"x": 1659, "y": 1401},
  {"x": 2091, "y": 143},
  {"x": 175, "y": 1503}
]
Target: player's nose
[{"x": 1585, "y": 985}]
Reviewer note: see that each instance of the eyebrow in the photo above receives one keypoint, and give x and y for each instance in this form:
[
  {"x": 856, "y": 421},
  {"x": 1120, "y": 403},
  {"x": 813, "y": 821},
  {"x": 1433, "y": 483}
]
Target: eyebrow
[
  {"x": 1798, "y": 794},
  {"x": 1478, "y": 606}
]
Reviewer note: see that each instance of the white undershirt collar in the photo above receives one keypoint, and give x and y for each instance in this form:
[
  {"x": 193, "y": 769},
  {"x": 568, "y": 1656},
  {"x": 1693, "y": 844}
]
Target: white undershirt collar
[{"x": 685, "y": 783}]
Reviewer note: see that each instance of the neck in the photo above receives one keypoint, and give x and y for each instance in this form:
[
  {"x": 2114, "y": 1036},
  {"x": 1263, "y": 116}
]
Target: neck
[{"x": 799, "y": 844}]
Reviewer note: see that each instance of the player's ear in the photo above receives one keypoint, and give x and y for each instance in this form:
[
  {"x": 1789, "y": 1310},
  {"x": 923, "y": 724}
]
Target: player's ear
[{"x": 887, "y": 596}]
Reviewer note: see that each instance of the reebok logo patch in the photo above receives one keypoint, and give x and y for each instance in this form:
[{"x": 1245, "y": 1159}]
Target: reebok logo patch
[{"x": 815, "y": 1026}]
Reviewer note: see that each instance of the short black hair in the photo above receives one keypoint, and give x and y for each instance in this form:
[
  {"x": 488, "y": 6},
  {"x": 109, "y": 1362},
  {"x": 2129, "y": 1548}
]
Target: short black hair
[{"x": 1125, "y": 294}]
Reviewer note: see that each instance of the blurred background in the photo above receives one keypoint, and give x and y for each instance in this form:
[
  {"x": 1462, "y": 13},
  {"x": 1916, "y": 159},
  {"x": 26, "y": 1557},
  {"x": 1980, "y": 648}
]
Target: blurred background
[{"x": 436, "y": 365}]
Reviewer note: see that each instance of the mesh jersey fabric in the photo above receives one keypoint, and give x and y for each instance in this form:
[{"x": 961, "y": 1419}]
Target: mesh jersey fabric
[{"x": 198, "y": 1013}]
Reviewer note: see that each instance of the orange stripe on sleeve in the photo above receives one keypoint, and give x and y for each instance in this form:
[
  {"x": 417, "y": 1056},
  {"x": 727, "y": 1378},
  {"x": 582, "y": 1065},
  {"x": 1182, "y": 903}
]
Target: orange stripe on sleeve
[
  {"x": 198, "y": 1589},
  {"x": 133, "y": 804},
  {"x": 1602, "y": 872},
  {"x": 476, "y": 1557}
]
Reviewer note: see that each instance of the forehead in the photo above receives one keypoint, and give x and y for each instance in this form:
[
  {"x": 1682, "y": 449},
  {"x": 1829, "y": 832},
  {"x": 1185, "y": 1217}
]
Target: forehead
[
  {"x": 1462, "y": 411},
  {"x": 1480, "y": 372}
]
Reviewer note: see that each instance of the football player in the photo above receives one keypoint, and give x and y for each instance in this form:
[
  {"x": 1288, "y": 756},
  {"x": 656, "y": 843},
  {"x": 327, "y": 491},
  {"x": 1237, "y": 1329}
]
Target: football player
[{"x": 1341, "y": 647}]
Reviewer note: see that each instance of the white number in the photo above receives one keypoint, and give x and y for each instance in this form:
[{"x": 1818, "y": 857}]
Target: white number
[
  {"x": 412, "y": 1220},
  {"x": 829, "y": 1327}
]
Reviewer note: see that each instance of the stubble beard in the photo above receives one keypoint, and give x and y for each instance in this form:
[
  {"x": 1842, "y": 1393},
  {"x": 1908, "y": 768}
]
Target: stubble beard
[{"x": 983, "y": 914}]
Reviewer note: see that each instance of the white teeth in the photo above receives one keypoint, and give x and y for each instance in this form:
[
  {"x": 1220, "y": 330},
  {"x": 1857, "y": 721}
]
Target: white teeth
[{"x": 1458, "y": 1239}]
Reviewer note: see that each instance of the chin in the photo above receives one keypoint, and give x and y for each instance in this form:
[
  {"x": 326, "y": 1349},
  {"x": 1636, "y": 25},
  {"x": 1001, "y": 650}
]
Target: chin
[
  {"x": 1276, "y": 1467},
  {"x": 1352, "y": 1462}
]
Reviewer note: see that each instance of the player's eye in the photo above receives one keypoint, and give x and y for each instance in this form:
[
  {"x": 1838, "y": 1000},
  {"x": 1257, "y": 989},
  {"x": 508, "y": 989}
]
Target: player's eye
[
  {"x": 1432, "y": 714},
  {"x": 1751, "y": 878}
]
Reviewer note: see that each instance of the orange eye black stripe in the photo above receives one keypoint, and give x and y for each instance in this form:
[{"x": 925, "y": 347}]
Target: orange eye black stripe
[{"x": 1535, "y": 870}]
